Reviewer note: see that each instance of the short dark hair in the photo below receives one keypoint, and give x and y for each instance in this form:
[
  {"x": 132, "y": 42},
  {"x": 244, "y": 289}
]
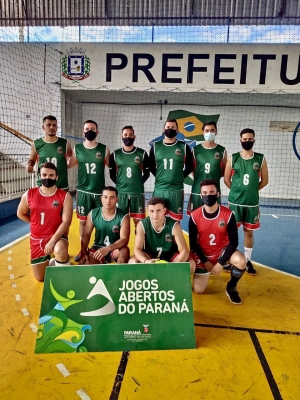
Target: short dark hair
[
  {"x": 209, "y": 123},
  {"x": 156, "y": 200},
  {"x": 172, "y": 120},
  {"x": 49, "y": 165},
  {"x": 50, "y": 117},
  {"x": 207, "y": 182},
  {"x": 110, "y": 189},
  {"x": 90, "y": 121},
  {"x": 247, "y": 130},
  {"x": 127, "y": 127}
]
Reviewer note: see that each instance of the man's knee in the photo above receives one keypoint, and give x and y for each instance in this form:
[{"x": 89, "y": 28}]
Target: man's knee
[
  {"x": 200, "y": 283},
  {"x": 238, "y": 259}
]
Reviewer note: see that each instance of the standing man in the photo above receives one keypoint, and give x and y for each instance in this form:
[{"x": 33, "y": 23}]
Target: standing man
[
  {"x": 213, "y": 241},
  {"x": 170, "y": 161},
  {"x": 246, "y": 173},
  {"x": 112, "y": 232},
  {"x": 49, "y": 211},
  {"x": 160, "y": 238},
  {"x": 91, "y": 157},
  {"x": 129, "y": 170},
  {"x": 51, "y": 148},
  {"x": 209, "y": 163}
]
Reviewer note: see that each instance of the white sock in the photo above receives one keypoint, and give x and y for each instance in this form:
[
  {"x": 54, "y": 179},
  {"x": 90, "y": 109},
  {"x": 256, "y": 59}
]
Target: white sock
[
  {"x": 248, "y": 252},
  {"x": 62, "y": 264}
]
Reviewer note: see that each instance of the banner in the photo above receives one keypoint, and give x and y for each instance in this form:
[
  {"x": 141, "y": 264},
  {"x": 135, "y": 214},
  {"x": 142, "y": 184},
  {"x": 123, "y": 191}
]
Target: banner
[
  {"x": 116, "y": 307},
  {"x": 185, "y": 67}
]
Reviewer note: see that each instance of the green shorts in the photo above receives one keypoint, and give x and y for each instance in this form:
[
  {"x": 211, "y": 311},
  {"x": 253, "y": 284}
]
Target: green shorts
[
  {"x": 132, "y": 204},
  {"x": 85, "y": 202},
  {"x": 173, "y": 200},
  {"x": 196, "y": 202},
  {"x": 249, "y": 217}
]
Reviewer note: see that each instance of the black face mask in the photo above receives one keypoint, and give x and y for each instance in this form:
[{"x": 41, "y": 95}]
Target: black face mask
[
  {"x": 247, "y": 145},
  {"x": 128, "y": 141},
  {"x": 209, "y": 199},
  {"x": 90, "y": 135},
  {"x": 48, "y": 183},
  {"x": 170, "y": 133}
]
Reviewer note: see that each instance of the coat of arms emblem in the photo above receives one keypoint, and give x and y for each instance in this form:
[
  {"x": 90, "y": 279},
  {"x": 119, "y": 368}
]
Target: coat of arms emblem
[{"x": 75, "y": 65}]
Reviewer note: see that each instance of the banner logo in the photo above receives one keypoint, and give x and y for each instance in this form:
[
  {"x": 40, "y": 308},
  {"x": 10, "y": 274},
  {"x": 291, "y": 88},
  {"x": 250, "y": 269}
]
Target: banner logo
[{"x": 76, "y": 65}]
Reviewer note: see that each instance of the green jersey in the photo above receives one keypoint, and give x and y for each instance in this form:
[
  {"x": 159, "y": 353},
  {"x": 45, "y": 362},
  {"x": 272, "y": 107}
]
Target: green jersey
[
  {"x": 107, "y": 231},
  {"x": 169, "y": 161},
  {"x": 160, "y": 244},
  {"x": 245, "y": 179},
  {"x": 55, "y": 152},
  {"x": 91, "y": 165},
  {"x": 207, "y": 165},
  {"x": 129, "y": 168}
]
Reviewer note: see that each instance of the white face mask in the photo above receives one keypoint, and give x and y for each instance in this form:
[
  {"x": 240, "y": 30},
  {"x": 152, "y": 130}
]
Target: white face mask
[{"x": 209, "y": 136}]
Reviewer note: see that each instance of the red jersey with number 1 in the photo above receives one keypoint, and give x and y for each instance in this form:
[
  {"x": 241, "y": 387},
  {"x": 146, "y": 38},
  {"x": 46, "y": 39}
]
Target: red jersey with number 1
[
  {"x": 45, "y": 212},
  {"x": 212, "y": 233}
]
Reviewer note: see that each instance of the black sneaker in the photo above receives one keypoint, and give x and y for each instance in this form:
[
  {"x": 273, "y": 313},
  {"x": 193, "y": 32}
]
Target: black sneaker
[
  {"x": 250, "y": 269},
  {"x": 77, "y": 258},
  {"x": 227, "y": 267},
  {"x": 233, "y": 295}
]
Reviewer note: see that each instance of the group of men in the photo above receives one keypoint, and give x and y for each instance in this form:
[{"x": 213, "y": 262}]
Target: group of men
[{"x": 212, "y": 227}]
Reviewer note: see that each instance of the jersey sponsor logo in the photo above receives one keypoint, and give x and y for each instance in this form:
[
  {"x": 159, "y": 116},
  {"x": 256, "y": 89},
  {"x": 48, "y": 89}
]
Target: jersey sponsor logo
[
  {"x": 217, "y": 155},
  {"x": 222, "y": 223},
  {"x": 179, "y": 210},
  {"x": 60, "y": 150},
  {"x": 256, "y": 219},
  {"x": 178, "y": 152},
  {"x": 168, "y": 237},
  {"x": 137, "y": 160},
  {"x": 115, "y": 229},
  {"x": 98, "y": 155},
  {"x": 141, "y": 209},
  {"x": 55, "y": 204},
  {"x": 256, "y": 166}
]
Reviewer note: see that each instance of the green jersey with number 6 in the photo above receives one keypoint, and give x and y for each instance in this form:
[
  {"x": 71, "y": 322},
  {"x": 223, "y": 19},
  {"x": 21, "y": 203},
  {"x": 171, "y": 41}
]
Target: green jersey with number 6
[
  {"x": 160, "y": 244},
  {"x": 245, "y": 179},
  {"x": 207, "y": 165},
  {"x": 107, "y": 231},
  {"x": 91, "y": 165},
  {"x": 169, "y": 165},
  {"x": 55, "y": 152},
  {"x": 129, "y": 168}
]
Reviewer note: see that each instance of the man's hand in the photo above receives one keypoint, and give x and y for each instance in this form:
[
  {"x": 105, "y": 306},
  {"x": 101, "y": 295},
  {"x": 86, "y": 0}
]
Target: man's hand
[
  {"x": 30, "y": 168},
  {"x": 217, "y": 269},
  {"x": 84, "y": 259},
  {"x": 209, "y": 266},
  {"x": 49, "y": 247},
  {"x": 151, "y": 261},
  {"x": 101, "y": 253}
]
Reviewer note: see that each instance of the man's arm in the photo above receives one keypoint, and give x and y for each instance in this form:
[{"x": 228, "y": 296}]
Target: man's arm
[
  {"x": 72, "y": 161},
  {"x": 194, "y": 245},
  {"x": 124, "y": 235},
  {"x": 32, "y": 159},
  {"x": 66, "y": 217},
  {"x": 139, "y": 243},
  {"x": 264, "y": 177},
  {"x": 23, "y": 209},
  {"x": 227, "y": 173},
  {"x": 152, "y": 162},
  {"x": 146, "y": 170},
  {"x": 188, "y": 161},
  {"x": 107, "y": 157},
  {"x": 181, "y": 243},
  {"x": 224, "y": 162},
  {"x": 233, "y": 237},
  {"x": 69, "y": 150},
  {"x": 85, "y": 239},
  {"x": 112, "y": 168}
]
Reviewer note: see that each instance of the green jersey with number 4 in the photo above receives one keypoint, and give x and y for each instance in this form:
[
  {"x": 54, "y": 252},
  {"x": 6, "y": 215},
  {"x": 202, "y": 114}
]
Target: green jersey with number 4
[
  {"x": 160, "y": 244},
  {"x": 245, "y": 179},
  {"x": 169, "y": 165},
  {"x": 91, "y": 165},
  {"x": 55, "y": 152},
  {"x": 207, "y": 165},
  {"x": 107, "y": 231},
  {"x": 129, "y": 171}
]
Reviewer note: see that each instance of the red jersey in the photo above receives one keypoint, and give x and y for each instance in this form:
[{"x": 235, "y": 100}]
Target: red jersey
[
  {"x": 45, "y": 212},
  {"x": 212, "y": 233}
]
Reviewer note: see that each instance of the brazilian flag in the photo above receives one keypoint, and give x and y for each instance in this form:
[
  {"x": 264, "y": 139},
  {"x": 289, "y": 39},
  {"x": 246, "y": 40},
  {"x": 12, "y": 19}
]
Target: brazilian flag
[{"x": 190, "y": 124}]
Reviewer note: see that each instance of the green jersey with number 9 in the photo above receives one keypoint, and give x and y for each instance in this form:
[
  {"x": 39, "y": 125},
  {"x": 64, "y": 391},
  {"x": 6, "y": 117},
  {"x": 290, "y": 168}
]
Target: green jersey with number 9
[{"x": 107, "y": 231}]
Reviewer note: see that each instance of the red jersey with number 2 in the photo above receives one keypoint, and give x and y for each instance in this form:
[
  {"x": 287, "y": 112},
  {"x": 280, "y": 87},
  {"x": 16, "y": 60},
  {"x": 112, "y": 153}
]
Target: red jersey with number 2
[
  {"x": 212, "y": 233},
  {"x": 45, "y": 212}
]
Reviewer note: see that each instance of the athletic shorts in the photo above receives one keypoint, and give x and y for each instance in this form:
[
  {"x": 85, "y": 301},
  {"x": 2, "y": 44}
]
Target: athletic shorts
[
  {"x": 108, "y": 258},
  {"x": 85, "y": 202},
  {"x": 249, "y": 217},
  {"x": 200, "y": 267},
  {"x": 132, "y": 204},
  {"x": 196, "y": 202},
  {"x": 164, "y": 256},
  {"x": 173, "y": 200},
  {"x": 37, "y": 247}
]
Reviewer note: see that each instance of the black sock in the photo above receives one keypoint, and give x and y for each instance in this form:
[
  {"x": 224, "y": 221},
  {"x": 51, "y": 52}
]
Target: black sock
[{"x": 236, "y": 275}]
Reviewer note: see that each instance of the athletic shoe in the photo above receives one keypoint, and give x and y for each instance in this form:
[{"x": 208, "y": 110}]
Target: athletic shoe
[
  {"x": 250, "y": 269},
  {"x": 227, "y": 267},
  {"x": 77, "y": 258},
  {"x": 233, "y": 295}
]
